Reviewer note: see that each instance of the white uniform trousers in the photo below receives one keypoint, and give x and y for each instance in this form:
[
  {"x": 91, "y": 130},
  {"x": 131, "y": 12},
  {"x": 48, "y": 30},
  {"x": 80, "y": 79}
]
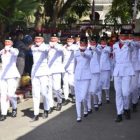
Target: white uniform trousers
[
  {"x": 89, "y": 101},
  {"x": 94, "y": 83},
  {"x": 55, "y": 85},
  {"x": 94, "y": 87},
  {"x": 68, "y": 84},
  {"x": 40, "y": 86},
  {"x": 122, "y": 88},
  {"x": 104, "y": 84},
  {"x": 112, "y": 68},
  {"x": 8, "y": 89},
  {"x": 139, "y": 85},
  {"x": 134, "y": 88},
  {"x": 105, "y": 79},
  {"x": 81, "y": 92}
]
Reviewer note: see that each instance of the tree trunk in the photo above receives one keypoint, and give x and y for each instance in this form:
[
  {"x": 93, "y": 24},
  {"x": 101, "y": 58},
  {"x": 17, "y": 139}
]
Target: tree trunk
[
  {"x": 93, "y": 10},
  {"x": 135, "y": 10},
  {"x": 40, "y": 18},
  {"x": 56, "y": 10},
  {"x": 2, "y": 28}
]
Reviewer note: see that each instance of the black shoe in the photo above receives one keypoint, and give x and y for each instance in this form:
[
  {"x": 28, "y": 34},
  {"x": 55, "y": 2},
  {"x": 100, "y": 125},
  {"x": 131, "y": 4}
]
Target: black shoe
[
  {"x": 35, "y": 118},
  {"x": 85, "y": 115},
  {"x": 51, "y": 110},
  {"x": 127, "y": 114},
  {"x": 119, "y": 118},
  {"x": 66, "y": 102},
  {"x": 73, "y": 100},
  {"x": 3, "y": 117},
  {"x": 100, "y": 104},
  {"x": 134, "y": 107},
  {"x": 96, "y": 108},
  {"x": 58, "y": 107},
  {"x": 14, "y": 113},
  {"x": 45, "y": 114},
  {"x": 90, "y": 111},
  {"x": 108, "y": 101}
]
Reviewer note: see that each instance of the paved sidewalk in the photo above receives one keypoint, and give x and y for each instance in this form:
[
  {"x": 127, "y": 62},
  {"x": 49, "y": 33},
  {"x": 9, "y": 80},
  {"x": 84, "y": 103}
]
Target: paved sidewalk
[{"x": 63, "y": 126}]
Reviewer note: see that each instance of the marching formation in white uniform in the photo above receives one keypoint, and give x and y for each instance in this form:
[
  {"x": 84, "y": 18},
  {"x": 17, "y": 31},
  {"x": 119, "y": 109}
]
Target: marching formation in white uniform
[
  {"x": 9, "y": 78},
  {"x": 82, "y": 70}
]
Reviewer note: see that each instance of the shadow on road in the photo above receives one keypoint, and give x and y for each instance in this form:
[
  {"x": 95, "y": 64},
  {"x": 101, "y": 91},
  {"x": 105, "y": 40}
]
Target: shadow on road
[{"x": 97, "y": 126}]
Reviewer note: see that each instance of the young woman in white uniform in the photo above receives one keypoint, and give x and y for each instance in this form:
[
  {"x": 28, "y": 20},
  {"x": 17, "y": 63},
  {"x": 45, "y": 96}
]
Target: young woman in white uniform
[{"x": 82, "y": 77}]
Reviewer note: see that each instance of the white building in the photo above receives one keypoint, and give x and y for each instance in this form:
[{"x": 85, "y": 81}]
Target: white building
[{"x": 102, "y": 7}]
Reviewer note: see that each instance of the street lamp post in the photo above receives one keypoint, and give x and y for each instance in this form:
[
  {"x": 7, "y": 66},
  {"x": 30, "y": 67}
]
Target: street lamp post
[
  {"x": 135, "y": 10},
  {"x": 93, "y": 10}
]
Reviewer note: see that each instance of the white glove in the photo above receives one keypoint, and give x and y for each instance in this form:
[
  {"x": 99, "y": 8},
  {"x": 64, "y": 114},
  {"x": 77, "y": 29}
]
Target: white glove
[
  {"x": 7, "y": 48},
  {"x": 82, "y": 53},
  {"x": 93, "y": 48}
]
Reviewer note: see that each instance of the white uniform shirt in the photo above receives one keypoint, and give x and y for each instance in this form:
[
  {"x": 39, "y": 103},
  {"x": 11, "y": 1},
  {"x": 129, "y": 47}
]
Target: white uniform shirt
[
  {"x": 68, "y": 59},
  {"x": 40, "y": 64},
  {"x": 9, "y": 58},
  {"x": 123, "y": 60},
  {"x": 55, "y": 56},
  {"x": 135, "y": 55},
  {"x": 105, "y": 63},
  {"x": 95, "y": 60},
  {"x": 138, "y": 45},
  {"x": 82, "y": 65}
]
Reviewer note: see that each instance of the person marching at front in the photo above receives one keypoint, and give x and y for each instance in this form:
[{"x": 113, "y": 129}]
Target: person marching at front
[
  {"x": 136, "y": 65},
  {"x": 105, "y": 70},
  {"x": 123, "y": 72},
  {"x": 68, "y": 75},
  {"x": 56, "y": 68},
  {"x": 95, "y": 70},
  {"x": 137, "y": 43},
  {"x": 9, "y": 78},
  {"x": 40, "y": 76},
  {"x": 114, "y": 38},
  {"x": 82, "y": 76}
]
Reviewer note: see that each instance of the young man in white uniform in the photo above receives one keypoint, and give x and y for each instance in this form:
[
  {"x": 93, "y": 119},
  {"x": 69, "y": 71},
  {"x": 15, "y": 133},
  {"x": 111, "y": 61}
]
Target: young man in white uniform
[
  {"x": 40, "y": 76},
  {"x": 137, "y": 41},
  {"x": 82, "y": 77},
  {"x": 95, "y": 70},
  {"x": 9, "y": 79},
  {"x": 136, "y": 65},
  {"x": 56, "y": 68},
  {"x": 77, "y": 40},
  {"x": 105, "y": 70},
  {"x": 123, "y": 73},
  {"x": 68, "y": 75}
]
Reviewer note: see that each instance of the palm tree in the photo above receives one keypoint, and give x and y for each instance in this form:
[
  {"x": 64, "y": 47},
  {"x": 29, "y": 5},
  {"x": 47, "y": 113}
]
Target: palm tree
[
  {"x": 57, "y": 9},
  {"x": 15, "y": 11},
  {"x": 121, "y": 10},
  {"x": 81, "y": 7}
]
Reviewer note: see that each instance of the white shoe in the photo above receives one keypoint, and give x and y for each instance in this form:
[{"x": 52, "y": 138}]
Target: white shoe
[{"x": 79, "y": 119}]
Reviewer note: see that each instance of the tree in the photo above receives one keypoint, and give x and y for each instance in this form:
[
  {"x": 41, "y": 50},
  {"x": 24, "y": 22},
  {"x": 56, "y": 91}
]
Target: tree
[
  {"x": 81, "y": 7},
  {"x": 121, "y": 11},
  {"x": 15, "y": 11},
  {"x": 57, "y": 9}
]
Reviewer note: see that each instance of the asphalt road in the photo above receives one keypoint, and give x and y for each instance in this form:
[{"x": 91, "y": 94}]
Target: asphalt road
[{"x": 63, "y": 126}]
